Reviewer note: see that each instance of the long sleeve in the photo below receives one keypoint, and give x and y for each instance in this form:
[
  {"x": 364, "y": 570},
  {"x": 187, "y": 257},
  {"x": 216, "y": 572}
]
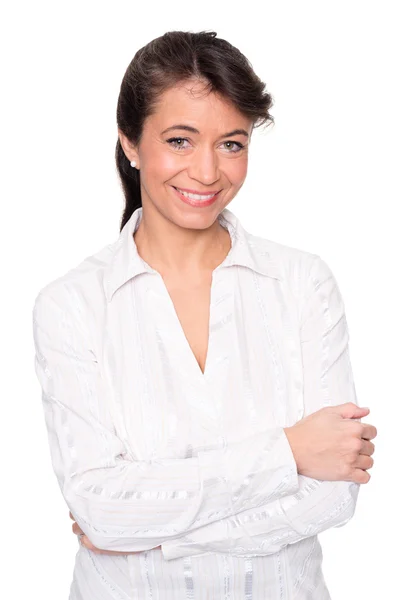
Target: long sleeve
[
  {"x": 131, "y": 505},
  {"x": 317, "y": 505}
]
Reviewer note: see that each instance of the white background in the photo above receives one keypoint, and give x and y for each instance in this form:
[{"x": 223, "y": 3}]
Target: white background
[{"x": 325, "y": 179}]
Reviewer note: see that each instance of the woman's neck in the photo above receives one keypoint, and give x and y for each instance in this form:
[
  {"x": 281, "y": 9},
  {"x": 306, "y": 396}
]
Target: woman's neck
[{"x": 171, "y": 249}]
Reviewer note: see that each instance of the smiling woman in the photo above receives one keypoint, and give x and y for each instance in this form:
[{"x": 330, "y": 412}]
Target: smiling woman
[
  {"x": 181, "y": 365},
  {"x": 203, "y": 170},
  {"x": 212, "y": 84}
]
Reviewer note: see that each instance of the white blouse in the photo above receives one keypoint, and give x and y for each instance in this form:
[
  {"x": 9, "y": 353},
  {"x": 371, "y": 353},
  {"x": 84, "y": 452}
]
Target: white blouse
[{"x": 148, "y": 451}]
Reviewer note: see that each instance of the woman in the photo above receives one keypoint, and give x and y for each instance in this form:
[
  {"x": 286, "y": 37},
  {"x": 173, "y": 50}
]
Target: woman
[{"x": 197, "y": 387}]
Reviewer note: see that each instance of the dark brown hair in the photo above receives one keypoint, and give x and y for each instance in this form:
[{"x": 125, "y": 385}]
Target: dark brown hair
[{"x": 167, "y": 61}]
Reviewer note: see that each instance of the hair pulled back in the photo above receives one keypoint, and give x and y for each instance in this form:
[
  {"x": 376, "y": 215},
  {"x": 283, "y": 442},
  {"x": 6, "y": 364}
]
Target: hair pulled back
[{"x": 172, "y": 59}]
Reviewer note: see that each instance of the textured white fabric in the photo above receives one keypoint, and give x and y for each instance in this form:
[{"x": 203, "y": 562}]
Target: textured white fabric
[{"x": 149, "y": 451}]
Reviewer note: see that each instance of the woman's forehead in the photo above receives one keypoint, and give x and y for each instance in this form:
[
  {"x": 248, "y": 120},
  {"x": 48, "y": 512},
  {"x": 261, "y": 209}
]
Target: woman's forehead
[{"x": 188, "y": 104}]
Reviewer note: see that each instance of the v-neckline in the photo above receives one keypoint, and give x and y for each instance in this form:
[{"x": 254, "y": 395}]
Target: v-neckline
[{"x": 187, "y": 351}]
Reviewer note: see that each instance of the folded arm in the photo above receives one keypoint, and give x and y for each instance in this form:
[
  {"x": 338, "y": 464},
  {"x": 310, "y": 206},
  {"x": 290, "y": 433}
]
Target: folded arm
[
  {"x": 317, "y": 505},
  {"x": 132, "y": 505}
]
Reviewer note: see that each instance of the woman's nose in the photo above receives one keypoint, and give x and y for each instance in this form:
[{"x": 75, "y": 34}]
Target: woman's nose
[{"x": 204, "y": 166}]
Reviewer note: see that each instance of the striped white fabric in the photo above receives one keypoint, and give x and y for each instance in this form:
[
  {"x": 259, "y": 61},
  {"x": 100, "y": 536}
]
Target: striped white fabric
[{"x": 150, "y": 451}]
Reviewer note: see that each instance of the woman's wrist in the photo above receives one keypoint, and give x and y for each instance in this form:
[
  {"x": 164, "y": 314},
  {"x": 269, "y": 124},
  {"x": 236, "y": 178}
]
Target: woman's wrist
[{"x": 293, "y": 443}]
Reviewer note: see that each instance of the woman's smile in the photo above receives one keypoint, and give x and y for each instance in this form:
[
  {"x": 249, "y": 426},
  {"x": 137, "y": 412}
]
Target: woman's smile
[{"x": 196, "y": 200}]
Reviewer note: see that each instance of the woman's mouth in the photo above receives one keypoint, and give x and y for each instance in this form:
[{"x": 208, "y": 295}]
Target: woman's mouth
[{"x": 196, "y": 199}]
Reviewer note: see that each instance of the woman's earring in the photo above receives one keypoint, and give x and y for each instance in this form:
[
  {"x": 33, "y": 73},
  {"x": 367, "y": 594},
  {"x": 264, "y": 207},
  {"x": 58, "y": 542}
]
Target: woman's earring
[{"x": 133, "y": 163}]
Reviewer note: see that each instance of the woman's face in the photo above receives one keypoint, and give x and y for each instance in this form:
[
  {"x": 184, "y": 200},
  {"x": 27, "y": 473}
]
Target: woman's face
[{"x": 208, "y": 160}]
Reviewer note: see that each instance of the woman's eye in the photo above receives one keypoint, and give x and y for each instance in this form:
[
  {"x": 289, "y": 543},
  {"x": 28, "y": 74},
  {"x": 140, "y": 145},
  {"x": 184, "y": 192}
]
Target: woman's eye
[
  {"x": 238, "y": 145},
  {"x": 174, "y": 142}
]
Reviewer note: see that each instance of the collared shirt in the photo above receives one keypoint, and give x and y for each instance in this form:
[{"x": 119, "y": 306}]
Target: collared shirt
[{"x": 150, "y": 451}]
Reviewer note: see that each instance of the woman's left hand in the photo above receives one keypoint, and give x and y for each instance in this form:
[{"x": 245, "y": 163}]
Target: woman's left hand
[{"x": 88, "y": 544}]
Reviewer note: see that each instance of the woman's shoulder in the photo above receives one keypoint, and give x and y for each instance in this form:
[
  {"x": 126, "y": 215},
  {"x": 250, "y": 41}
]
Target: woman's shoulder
[
  {"x": 83, "y": 280},
  {"x": 300, "y": 270},
  {"x": 290, "y": 260}
]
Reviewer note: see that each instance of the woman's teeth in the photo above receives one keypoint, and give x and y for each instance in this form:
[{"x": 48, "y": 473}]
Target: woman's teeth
[{"x": 195, "y": 196}]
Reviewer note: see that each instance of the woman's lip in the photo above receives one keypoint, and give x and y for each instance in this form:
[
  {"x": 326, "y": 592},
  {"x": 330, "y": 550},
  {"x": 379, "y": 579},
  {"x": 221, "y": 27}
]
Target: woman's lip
[
  {"x": 196, "y": 203},
  {"x": 194, "y": 191}
]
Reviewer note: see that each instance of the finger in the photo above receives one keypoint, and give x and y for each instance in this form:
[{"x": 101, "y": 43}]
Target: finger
[
  {"x": 76, "y": 529},
  {"x": 359, "y": 476},
  {"x": 71, "y": 515},
  {"x": 84, "y": 540},
  {"x": 87, "y": 543},
  {"x": 367, "y": 448},
  {"x": 364, "y": 462},
  {"x": 369, "y": 431}
]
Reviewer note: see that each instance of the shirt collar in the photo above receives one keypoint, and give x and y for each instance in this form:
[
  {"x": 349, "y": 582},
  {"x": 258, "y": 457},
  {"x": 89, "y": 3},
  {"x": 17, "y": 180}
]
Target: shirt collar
[{"x": 246, "y": 251}]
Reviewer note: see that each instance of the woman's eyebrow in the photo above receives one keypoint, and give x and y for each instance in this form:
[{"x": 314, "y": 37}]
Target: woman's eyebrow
[{"x": 194, "y": 130}]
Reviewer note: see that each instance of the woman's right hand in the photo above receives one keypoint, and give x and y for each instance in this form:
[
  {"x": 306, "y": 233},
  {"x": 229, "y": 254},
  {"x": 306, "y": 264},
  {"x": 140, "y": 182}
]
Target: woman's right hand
[{"x": 329, "y": 445}]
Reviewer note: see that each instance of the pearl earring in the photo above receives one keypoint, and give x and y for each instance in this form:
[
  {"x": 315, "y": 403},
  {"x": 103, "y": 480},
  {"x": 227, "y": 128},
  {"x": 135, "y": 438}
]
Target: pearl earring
[{"x": 133, "y": 163}]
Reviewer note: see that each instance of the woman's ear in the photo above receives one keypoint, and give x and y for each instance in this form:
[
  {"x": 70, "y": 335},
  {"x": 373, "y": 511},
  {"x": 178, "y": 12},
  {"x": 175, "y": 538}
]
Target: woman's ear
[{"x": 128, "y": 148}]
